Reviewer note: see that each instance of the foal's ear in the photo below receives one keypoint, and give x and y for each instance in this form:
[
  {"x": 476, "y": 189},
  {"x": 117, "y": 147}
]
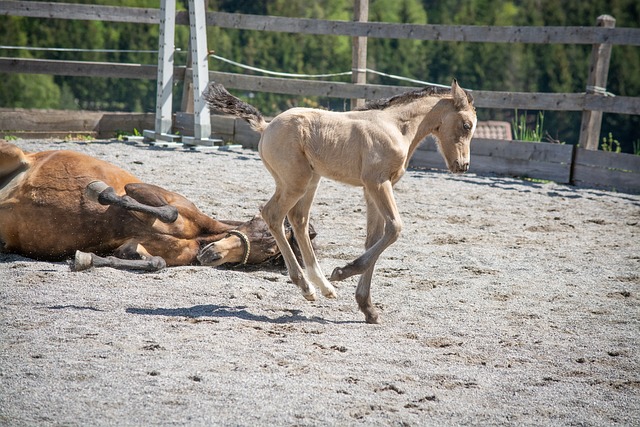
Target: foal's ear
[{"x": 460, "y": 100}]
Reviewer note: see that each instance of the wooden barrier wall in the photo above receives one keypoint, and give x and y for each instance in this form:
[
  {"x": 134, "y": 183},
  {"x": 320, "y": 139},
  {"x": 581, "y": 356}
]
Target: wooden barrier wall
[
  {"x": 565, "y": 164},
  {"x": 561, "y": 163}
]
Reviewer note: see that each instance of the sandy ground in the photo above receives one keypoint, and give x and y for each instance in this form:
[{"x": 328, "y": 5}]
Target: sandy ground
[{"x": 504, "y": 302}]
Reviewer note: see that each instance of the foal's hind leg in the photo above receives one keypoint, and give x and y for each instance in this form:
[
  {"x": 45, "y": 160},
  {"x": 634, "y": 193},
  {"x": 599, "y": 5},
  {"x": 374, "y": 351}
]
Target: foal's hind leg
[
  {"x": 375, "y": 229},
  {"x": 299, "y": 219}
]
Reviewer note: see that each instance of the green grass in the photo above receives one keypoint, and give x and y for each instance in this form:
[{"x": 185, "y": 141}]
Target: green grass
[
  {"x": 522, "y": 131},
  {"x": 610, "y": 144}
]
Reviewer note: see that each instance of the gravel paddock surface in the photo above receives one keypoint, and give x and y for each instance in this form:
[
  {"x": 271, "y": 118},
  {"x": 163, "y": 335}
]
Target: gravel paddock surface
[{"x": 504, "y": 302}]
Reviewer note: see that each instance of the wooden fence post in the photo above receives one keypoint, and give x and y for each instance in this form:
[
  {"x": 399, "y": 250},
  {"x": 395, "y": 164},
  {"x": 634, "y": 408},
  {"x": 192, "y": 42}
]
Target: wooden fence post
[
  {"x": 596, "y": 84},
  {"x": 359, "y": 49}
]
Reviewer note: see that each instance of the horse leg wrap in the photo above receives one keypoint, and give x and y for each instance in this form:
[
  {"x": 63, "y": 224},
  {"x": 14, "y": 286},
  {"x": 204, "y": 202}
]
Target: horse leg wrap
[{"x": 95, "y": 189}]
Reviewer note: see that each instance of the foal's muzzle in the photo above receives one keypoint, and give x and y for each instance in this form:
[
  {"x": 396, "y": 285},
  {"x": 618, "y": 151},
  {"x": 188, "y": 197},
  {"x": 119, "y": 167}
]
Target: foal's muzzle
[{"x": 460, "y": 167}]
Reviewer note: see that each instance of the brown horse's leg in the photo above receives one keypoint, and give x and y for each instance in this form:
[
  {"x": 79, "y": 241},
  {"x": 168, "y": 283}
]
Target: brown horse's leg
[
  {"x": 375, "y": 230},
  {"x": 381, "y": 196},
  {"x": 299, "y": 219},
  {"x": 105, "y": 195},
  {"x": 84, "y": 260}
]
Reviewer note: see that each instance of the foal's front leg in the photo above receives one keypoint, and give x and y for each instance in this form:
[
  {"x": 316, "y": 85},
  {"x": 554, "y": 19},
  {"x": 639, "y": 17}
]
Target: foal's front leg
[{"x": 380, "y": 197}]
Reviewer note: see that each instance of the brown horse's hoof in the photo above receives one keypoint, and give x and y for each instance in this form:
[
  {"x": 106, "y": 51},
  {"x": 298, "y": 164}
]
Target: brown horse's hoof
[
  {"x": 82, "y": 261},
  {"x": 337, "y": 275},
  {"x": 168, "y": 214},
  {"x": 157, "y": 263}
]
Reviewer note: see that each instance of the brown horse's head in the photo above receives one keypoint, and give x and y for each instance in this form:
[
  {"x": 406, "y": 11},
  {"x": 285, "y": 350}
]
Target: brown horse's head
[
  {"x": 456, "y": 129},
  {"x": 250, "y": 243}
]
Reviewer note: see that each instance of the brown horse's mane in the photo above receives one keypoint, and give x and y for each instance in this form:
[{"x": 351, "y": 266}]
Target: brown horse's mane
[{"x": 404, "y": 98}]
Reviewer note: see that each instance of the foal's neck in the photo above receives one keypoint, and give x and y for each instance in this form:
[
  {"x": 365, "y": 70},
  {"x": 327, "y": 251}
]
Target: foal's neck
[{"x": 418, "y": 119}]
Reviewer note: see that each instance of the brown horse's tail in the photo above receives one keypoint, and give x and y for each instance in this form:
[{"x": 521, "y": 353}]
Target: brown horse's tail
[{"x": 219, "y": 99}]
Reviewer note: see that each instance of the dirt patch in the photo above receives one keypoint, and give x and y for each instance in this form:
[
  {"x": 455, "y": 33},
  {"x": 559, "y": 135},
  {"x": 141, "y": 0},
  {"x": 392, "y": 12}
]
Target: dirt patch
[{"x": 504, "y": 302}]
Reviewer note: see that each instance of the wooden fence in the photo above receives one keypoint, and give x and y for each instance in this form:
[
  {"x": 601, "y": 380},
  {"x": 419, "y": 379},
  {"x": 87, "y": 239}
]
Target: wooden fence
[{"x": 540, "y": 160}]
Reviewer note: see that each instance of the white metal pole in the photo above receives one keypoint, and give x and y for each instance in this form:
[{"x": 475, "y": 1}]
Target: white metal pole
[
  {"x": 164, "y": 95},
  {"x": 200, "y": 58}
]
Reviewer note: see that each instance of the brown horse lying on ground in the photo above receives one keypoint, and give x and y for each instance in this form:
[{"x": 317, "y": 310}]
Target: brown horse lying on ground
[
  {"x": 54, "y": 204},
  {"x": 370, "y": 147}
]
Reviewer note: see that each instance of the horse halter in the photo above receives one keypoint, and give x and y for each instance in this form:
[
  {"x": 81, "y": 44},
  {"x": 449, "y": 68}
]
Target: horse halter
[{"x": 247, "y": 245}]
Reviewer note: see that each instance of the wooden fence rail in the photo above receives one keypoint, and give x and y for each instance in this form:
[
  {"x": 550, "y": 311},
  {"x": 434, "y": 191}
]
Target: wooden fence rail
[{"x": 455, "y": 33}]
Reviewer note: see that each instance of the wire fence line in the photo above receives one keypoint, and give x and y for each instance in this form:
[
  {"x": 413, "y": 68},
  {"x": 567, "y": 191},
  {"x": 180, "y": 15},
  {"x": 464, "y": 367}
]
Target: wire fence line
[{"x": 231, "y": 62}]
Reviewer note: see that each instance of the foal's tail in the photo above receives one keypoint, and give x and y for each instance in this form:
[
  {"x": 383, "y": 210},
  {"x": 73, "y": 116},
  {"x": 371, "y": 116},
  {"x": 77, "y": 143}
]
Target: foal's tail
[{"x": 218, "y": 98}]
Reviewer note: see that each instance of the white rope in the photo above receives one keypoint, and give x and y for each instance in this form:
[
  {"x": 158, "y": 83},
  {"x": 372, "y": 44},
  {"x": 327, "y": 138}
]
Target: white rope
[
  {"x": 262, "y": 70},
  {"x": 346, "y": 73},
  {"x": 276, "y": 73},
  {"x": 406, "y": 79},
  {"x": 598, "y": 90}
]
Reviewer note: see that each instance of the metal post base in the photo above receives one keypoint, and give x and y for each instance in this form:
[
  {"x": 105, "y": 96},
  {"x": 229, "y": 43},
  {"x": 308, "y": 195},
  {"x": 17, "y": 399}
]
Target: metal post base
[
  {"x": 152, "y": 137},
  {"x": 208, "y": 142}
]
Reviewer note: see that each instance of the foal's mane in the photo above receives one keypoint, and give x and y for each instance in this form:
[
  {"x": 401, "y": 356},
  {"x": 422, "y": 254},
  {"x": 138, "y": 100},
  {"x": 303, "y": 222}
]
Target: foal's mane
[{"x": 404, "y": 98}]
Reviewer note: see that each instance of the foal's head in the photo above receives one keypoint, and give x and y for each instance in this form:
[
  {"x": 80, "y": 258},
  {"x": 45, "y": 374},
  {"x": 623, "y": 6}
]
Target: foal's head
[{"x": 455, "y": 130}]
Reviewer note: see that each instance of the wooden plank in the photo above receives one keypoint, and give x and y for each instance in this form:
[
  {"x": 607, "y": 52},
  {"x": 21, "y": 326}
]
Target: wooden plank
[
  {"x": 222, "y": 127},
  {"x": 51, "y": 120},
  {"x": 24, "y": 122},
  {"x": 457, "y": 33},
  {"x": 513, "y": 158},
  {"x": 612, "y": 104},
  {"x": 425, "y": 158},
  {"x": 610, "y": 179},
  {"x": 520, "y": 168},
  {"x": 36, "y": 9},
  {"x": 246, "y": 136},
  {"x": 608, "y": 160},
  {"x": 522, "y": 150},
  {"x": 614, "y": 171},
  {"x": 113, "y": 123}
]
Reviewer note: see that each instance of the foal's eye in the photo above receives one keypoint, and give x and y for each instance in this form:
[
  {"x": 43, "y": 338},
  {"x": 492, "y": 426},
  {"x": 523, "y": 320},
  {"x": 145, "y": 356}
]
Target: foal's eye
[{"x": 466, "y": 126}]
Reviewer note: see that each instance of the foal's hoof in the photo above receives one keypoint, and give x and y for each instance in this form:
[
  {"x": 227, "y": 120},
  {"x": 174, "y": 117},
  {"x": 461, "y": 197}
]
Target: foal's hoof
[
  {"x": 82, "y": 261},
  {"x": 330, "y": 293},
  {"x": 310, "y": 297}
]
